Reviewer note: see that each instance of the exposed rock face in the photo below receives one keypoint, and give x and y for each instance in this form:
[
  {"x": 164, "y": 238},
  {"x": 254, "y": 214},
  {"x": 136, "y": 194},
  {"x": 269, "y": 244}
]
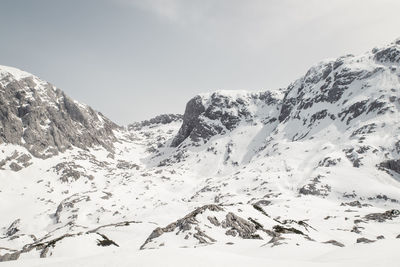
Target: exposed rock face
[
  {"x": 15, "y": 167},
  {"x": 185, "y": 224},
  {"x": 69, "y": 171},
  {"x": 13, "y": 228},
  {"x": 240, "y": 226},
  {"x": 364, "y": 240},
  {"x": 393, "y": 165},
  {"x": 327, "y": 92},
  {"x": 382, "y": 217},
  {"x": 388, "y": 55},
  {"x": 196, "y": 225},
  {"x": 209, "y": 115},
  {"x": 191, "y": 122},
  {"x": 46, "y": 244},
  {"x": 315, "y": 187},
  {"x": 160, "y": 119},
  {"x": 334, "y": 242},
  {"x": 35, "y": 114}
]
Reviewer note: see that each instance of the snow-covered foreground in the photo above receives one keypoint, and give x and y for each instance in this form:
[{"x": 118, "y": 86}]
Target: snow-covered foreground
[{"x": 384, "y": 253}]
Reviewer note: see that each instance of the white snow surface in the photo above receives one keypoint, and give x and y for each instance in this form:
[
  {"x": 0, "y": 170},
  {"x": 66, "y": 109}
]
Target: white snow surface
[
  {"x": 302, "y": 172},
  {"x": 17, "y": 73}
]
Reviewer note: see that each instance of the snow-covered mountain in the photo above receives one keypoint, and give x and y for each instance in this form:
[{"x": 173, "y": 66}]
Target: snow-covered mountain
[
  {"x": 306, "y": 173},
  {"x": 40, "y": 117}
]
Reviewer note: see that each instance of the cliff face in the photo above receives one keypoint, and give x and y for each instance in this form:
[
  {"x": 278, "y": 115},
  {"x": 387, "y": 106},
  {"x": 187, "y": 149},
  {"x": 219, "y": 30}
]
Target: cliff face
[
  {"x": 220, "y": 112},
  {"x": 40, "y": 117}
]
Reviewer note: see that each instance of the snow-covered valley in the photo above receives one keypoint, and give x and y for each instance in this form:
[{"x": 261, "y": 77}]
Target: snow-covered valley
[{"x": 306, "y": 175}]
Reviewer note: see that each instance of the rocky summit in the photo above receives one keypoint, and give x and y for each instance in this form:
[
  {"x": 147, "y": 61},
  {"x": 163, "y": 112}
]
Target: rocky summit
[
  {"x": 300, "y": 172},
  {"x": 41, "y": 118}
]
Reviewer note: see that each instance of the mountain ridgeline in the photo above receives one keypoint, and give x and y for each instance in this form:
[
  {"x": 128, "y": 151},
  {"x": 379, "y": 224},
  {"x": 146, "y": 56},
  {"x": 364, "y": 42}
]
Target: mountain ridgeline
[
  {"x": 42, "y": 118},
  {"x": 343, "y": 90},
  {"x": 313, "y": 165}
]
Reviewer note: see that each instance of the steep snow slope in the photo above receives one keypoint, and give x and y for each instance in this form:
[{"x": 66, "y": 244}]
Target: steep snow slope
[{"x": 305, "y": 173}]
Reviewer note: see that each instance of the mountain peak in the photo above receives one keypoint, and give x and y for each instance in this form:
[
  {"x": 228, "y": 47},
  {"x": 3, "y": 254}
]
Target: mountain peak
[
  {"x": 16, "y": 73},
  {"x": 37, "y": 115}
]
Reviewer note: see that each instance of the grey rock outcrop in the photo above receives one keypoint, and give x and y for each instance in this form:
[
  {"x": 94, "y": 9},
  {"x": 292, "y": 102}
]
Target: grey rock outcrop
[
  {"x": 185, "y": 224},
  {"x": 13, "y": 228},
  {"x": 364, "y": 240},
  {"x": 42, "y": 118},
  {"x": 384, "y": 216},
  {"x": 237, "y": 225},
  {"x": 334, "y": 242},
  {"x": 160, "y": 119},
  {"x": 192, "y": 125},
  {"x": 15, "y": 166},
  {"x": 207, "y": 116},
  {"x": 393, "y": 165}
]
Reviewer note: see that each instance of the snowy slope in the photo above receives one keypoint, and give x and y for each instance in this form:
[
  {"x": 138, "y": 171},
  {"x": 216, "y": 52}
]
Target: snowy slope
[{"x": 307, "y": 175}]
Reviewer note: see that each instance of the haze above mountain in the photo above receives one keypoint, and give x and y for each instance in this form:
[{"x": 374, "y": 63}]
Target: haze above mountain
[{"x": 136, "y": 59}]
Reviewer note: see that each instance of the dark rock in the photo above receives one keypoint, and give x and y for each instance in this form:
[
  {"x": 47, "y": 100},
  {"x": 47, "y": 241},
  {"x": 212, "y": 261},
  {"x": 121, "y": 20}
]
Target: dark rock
[
  {"x": 245, "y": 229},
  {"x": 286, "y": 109},
  {"x": 286, "y": 230},
  {"x": 160, "y": 119},
  {"x": 329, "y": 162},
  {"x": 70, "y": 171},
  {"x": 355, "y": 203},
  {"x": 260, "y": 209},
  {"x": 69, "y": 203},
  {"x": 125, "y": 165},
  {"x": 356, "y": 229},
  {"x": 46, "y": 121},
  {"x": 105, "y": 242},
  {"x": 353, "y": 111},
  {"x": 364, "y": 240},
  {"x": 191, "y": 122},
  {"x": 353, "y": 157},
  {"x": 315, "y": 188},
  {"x": 13, "y": 228},
  {"x": 201, "y": 121},
  {"x": 184, "y": 224},
  {"x": 24, "y": 160},
  {"x": 366, "y": 129},
  {"x": 388, "y": 55},
  {"x": 45, "y": 246},
  {"x": 382, "y": 217},
  {"x": 262, "y": 202},
  {"x": 15, "y": 167},
  {"x": 393, "y": 165},
  {"x": 213, "y": 220},
  {"x": 334, "y": 242},
  {"x": 10, "y": 256}
]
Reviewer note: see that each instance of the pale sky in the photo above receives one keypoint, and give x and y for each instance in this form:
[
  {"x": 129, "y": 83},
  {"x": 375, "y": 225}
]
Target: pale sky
[{"x": 133, "y": 59}]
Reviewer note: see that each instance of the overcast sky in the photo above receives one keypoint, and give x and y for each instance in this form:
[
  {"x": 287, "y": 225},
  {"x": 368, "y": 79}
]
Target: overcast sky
[{"x": 133, "y": 59}]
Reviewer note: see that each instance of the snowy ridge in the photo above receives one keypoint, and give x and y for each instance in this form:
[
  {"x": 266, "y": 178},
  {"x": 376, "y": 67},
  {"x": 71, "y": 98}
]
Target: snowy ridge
[
  {"x": 16, "y": 73},
  {"x": 304, "y": 173},
  {"x": 42, "y": 118}
]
